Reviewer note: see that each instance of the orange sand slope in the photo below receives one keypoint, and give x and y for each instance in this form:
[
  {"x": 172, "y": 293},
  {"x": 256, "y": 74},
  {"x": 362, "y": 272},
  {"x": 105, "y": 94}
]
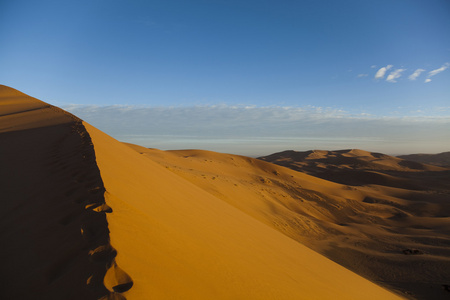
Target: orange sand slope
[
  {"x": 379, "y": 232},
  {"x": 173, "y": 239},
  {"x": 178, "y": 241}
]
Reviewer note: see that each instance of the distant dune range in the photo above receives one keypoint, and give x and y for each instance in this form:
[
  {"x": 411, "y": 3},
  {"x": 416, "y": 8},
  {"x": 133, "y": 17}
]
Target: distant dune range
[
  {"x": 404, "y": 209},
  {"x": 87, "y": 217},
  {"x": 440, "y": 159}
]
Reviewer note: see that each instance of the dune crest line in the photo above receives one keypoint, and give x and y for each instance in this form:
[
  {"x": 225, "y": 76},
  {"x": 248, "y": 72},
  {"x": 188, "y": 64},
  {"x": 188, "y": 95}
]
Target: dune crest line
[{"x": 53, "y": 218}]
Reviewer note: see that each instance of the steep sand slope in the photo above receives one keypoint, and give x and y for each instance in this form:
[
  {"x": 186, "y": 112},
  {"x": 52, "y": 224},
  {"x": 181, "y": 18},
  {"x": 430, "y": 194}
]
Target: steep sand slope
[
  {"x": 53, "y": 229},
  {"x": 179, "y": 242},
  {"x": 396, "y": 237}
]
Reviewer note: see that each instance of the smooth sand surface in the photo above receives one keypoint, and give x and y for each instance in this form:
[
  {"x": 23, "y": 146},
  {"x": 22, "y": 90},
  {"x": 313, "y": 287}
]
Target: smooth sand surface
[
  {"x": 178, "y": 241},
  {"x": 396, "y": 237},
  {"x": 19, "y": 111}
]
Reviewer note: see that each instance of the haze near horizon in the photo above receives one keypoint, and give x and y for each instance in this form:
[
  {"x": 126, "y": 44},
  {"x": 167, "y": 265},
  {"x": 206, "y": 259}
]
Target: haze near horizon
[{"x": 252, "y": 77}]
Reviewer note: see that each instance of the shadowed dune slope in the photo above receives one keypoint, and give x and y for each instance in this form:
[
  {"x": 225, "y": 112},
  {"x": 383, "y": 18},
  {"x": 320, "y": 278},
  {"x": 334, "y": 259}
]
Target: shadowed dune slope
[
  {"x": 440, "y": 159},
  {"x": 352, "y": 159},
  {"x": 358, "y": 167},
  {"x": 53, "y": 228},
  {"x": 396, "y": 237},
  {"x": 156, "y": 236}
]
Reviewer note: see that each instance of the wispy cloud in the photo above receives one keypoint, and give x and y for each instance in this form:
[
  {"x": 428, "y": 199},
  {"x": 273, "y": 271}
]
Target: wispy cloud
[
  {"x": 395, "y": 75},
  {"x": 437, "y": 71},
  {"x": 264, "y": 130},
  {"x": 380, "y": 73},
  {"x": 416, "y": 74}
]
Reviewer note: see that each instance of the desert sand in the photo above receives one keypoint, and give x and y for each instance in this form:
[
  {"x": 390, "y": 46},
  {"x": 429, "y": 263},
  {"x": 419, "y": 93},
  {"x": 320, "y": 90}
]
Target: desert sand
[
  {"x": 402, "y": 217},
  {"x": 85, "y": 216},
  {"x": 380, "y": 232},
  {"x": 439, "y": 159}
]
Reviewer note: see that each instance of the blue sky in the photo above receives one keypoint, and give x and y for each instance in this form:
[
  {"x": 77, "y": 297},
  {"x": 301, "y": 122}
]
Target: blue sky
[{"x": 349, "y": 59}]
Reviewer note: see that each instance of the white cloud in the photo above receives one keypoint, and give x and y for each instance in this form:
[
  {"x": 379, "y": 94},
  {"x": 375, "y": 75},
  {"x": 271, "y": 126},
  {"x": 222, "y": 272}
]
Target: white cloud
[
  {"x": 398, "y": 73},
  {"x": 380, "y": 73},
  {"x": 373, "y": 66},
  {"x": 362, "y": 75},
  {"x": 394, "y": 75},
  {"x": 264, "y": 130},
  {"x": 437, "y": 71},
  {"x": 416, "y": 74}
]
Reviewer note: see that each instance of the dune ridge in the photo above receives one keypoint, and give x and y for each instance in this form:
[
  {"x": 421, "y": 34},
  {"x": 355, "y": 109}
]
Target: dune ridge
[
  {"x": 440, "y": 159},
  {"x": 378, "y": 231},
  {"x": 358, "y": 167},
  {"x": 55, "y": 235},
  {"x": 216, "y": 250}
]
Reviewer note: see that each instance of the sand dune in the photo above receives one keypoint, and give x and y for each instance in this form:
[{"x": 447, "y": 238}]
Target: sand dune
[
  {"x": 380, "y": 232},
  {"x": 54, "y": 233},
  {"x": 192, "y": 244},
  {"x": 403, "y": 209},
  {"x": 358, "y": 167},
  {"x": 440, "y": 159},
  {"x": 351, "y": 159},
  {"x": 87, "y": 217}
]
